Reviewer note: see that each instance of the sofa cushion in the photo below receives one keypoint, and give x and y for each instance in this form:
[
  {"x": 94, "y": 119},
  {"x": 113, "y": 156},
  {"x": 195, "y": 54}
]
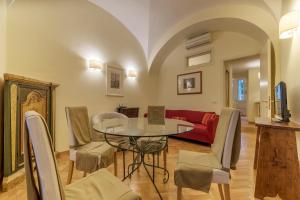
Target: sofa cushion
[
  {"x": 206, "y": 117},
  {"x": 192, "y": 116},
  {"x": 201, "y": 132},
  {"x": 200, "y": 127},
  {"x": 172, "y": 113},
  {"x": 179, "y": 118}
]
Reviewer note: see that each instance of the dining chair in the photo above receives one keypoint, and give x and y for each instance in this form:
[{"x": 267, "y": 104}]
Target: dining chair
[
  {"x": 100, "y": 185},
  {"x": 198, "y": 170},
  {"x": 81, "y": 144},
  {"x": 156, "y": 116},
  {"x": 117, "y": 140}
]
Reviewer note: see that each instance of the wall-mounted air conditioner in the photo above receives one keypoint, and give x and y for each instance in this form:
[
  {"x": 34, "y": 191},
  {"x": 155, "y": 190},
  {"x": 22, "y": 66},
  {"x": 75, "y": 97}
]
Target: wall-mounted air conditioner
[{"x": 198, "y": 41}]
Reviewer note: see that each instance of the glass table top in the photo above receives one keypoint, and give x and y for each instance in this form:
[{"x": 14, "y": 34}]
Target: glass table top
[{"x": 141, "y": 127}]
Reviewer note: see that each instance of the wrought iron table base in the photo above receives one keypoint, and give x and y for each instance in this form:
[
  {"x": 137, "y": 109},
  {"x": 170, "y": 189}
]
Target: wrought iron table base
[
  {"x": 138, "y": 162},
  {"x": 140, "y": 151}
]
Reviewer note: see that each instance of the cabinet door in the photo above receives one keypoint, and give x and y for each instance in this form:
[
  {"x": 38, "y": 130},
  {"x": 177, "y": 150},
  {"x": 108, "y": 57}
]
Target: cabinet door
[{"x": 30, "y": 98}]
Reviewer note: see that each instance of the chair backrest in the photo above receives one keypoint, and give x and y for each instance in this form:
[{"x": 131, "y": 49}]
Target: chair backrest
[
  {"x": 80, "y": 125},
  {"x": 228, "y": 147},
  {"x": 156, "y": 114},
  {"x": 226, "y": 129},
  {"x": 98, "y": 118},
  {"x": 49, "y": 180}
]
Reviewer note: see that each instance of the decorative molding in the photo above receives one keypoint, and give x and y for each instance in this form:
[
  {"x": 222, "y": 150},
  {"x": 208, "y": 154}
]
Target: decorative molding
[
  {"x": 23, "y": 79},
  {"x": 13, "y": 123}
]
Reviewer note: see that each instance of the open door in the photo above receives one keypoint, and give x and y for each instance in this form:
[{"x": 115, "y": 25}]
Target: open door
[
  {"x": 227, "y": 87},
  {"x": 267, "y": 80}
]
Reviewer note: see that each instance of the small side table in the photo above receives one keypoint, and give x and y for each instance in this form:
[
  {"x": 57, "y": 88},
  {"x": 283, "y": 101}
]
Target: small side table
[{"x": 276, "y": 160}]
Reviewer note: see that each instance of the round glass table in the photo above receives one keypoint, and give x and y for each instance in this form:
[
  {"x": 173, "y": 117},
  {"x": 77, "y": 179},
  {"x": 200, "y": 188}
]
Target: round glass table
[{"x": 142, "y": 137}]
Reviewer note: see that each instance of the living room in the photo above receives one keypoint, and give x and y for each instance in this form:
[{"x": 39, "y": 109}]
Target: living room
[{"x": 170, "y": 54}]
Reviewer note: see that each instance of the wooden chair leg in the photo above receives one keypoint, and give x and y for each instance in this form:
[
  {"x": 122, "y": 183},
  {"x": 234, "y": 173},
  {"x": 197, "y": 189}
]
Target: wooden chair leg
[
  {"x": 179, "y": 193},
  {"x": 165, "y": 159},
  {"x": 133, "y": 155},
  {"x": 227, "y": 191},
  {"x": 138, "y": 169},
  {"x": 124, "y": 170},
  {"x": 70, "y": 172},
  {"x": 153, "y": 168},
  {"x": 115, "y": 164},
  {"x": 221, "y": 191}
]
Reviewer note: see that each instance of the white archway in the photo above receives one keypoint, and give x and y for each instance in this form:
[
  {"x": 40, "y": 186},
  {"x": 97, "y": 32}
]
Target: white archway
[{"x": 252, "y": 20}]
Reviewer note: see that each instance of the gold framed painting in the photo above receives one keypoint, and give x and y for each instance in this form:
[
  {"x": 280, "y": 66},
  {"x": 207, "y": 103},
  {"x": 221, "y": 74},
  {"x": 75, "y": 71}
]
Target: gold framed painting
[
  {"x": 114, "y": 81},
  {"x": 189, "y": 83}
]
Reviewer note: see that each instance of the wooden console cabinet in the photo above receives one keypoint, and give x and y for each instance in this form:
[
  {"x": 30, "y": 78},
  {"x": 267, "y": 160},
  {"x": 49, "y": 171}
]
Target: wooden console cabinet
[
  {"x": 276, "y": 160},
  {"x": 129, "y": 112},
  {"x": 22, "y": 94}
]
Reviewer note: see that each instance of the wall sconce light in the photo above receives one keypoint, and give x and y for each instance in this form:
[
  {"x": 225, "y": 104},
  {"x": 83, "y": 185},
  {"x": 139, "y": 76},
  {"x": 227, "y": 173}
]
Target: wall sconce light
[
  {"x": 288, "y": 24},
  {"x": 95, "y": 64},
  {"x": 131, "y": 73}
]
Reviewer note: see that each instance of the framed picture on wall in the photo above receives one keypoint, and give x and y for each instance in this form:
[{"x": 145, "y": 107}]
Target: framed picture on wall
[
  {"x": 190, "y": 83},
  {"x": 114, "y": 81}
]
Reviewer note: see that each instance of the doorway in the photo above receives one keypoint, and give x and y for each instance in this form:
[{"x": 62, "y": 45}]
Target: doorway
[{"x": 242, "y": 77}]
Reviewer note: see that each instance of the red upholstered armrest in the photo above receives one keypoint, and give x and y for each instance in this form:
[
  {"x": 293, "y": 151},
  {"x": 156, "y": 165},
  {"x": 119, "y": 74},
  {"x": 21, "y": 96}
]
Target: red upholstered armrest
[{"x": 212, "y": 126}]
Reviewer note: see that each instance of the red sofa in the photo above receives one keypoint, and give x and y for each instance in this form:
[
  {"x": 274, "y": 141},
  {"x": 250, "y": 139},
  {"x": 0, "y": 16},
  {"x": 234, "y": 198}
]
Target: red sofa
[{"x": 201, "y": 132}]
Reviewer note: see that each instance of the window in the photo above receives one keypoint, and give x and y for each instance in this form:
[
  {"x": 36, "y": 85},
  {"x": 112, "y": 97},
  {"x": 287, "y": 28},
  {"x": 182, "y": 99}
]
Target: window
[
  {"x": 199, "y": 59},
  {"x": 241, "y": 90}
]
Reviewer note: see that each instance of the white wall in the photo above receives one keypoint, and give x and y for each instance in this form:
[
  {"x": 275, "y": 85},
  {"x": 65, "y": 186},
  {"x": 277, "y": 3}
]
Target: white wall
[
  {"x": 226, "y": 46},
  {"x": 51, "y": 40},
  {"x": 290, "y": 64},
  {"x": 2, "y": 36},
  {"x": 265, "y": 74},
  {"x": 2, "y": 69},
  {"x": 275, "y": 6},
  {"x": 253, "y": 94}
]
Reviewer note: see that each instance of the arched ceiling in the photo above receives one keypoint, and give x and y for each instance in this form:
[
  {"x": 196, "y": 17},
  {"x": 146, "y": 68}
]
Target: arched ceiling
[
  {"x": 133, "y": 14},
  {"x": 259, "y": 25},
  {"x": 210, "y": 25},
  {"x": 151, "y": 21},
  {"x": 148, "y": 20}
]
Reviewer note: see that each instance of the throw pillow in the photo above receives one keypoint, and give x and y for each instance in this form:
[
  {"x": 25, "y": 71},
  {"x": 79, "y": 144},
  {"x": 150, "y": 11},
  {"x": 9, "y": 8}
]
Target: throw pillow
[{"x": 206, "y": 117}]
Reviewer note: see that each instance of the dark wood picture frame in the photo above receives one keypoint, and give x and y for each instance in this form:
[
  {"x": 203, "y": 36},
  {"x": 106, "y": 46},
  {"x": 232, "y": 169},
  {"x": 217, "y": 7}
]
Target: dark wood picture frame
[
  {"x": 200, "y": 82},
  {"x": 119, "y": 90}
]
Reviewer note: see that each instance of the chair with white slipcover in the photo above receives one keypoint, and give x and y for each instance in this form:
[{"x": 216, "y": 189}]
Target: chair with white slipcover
[
  {"x": 198, "y": 170},
  {"x": 78, "y": 123},
  {"x": 117, "y": 140},
  {"x": 99, "y": 185}
]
